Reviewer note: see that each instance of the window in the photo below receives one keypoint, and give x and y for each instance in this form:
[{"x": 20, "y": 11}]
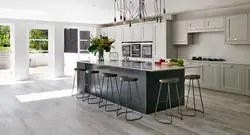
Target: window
[
  {"x": 84, "y": 41},
  {"x": 38, "y": 40}
]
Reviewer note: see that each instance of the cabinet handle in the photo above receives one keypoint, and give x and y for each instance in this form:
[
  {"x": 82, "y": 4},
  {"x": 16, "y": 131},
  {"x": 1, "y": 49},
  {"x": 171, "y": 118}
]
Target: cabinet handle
[
  {"x": 231, "y": 66},
  {"x": 213, "y": 26},
  {"x": 207, "y": 23},
  {"x": 190, "y": 25},
  {"x": 235, "y": 38}
]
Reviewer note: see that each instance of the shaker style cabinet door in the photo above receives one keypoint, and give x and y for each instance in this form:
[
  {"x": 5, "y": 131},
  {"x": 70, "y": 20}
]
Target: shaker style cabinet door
[
  {"x": 247, "y": 80},
  {"x": 196, "y": 25},
  {"x": 147, "y": 32},
  {"x": 237, "y": 29},
  {"x": 210, "y": 76},
  {"x": 232, "y": 78},
  {"x": 180, "y": 33},
  {"x": 215, "y": 23}
]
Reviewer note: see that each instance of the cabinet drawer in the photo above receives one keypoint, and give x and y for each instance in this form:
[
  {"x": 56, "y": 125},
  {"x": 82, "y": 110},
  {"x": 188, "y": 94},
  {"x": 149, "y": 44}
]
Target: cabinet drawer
[{"x": 215, "y": 23}]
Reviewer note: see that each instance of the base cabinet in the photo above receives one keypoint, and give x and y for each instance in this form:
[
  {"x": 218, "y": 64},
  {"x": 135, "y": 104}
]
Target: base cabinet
[
  {"x": 247, "y": 80},
  {"x": 193, "y": 71},
  {"x": 210, "y": 76},
  {"x": 232, "y": 78}
]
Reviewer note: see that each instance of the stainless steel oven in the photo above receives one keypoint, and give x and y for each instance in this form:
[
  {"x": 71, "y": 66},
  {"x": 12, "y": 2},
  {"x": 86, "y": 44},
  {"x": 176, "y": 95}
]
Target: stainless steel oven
[
  {"x": 147, "y": 49},
  {"x": 135, "y": 50},
  {"x": 126, "y": 51}
]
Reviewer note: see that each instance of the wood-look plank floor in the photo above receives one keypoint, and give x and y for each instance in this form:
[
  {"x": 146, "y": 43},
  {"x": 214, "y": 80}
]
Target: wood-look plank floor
[{"x": 225, "y": 114}]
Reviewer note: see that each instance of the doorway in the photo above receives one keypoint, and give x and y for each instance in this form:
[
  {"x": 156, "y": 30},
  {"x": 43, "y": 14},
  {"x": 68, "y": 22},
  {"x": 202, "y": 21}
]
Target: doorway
[
  {"x": 38, "y": 53},
  {"x": 6, "y": 38}
]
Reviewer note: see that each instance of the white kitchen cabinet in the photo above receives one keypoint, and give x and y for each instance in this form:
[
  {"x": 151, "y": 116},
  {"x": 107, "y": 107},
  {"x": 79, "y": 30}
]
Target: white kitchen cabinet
[
  {"x": 126, "y": 33},
  {"x": 210, "y": 76},
  {"x": 147, "y": 32},
  {"x": 232, "y": 78},
  {"x": 104, "y": 31},
  {"x": 247, "y": 80},
  {"x": 193, "y": 71},
  {"x": 237, "y": 29},
  {"x": 136, "y": 34},
  {"x": 159, "y": 40},
  {"x": 215, "y": 24},
  {"x": 180, "y": 33},
  {"x": 196, "y": 25}
]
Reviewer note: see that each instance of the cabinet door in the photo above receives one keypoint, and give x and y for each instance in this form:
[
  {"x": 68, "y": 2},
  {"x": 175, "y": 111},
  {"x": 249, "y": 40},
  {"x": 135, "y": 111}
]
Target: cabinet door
[
  {"x": 193, "y": 71},
  {"x": 247, "y": 80},
  {"x": 195, "y": 25},
  {"x": 126, "y": 33},
  {"x": 215, "y": 23},
  {"x": 237, "y": 29},
  {"x": 147, "y": 32},
  {"x": 159, "y": 40},
  {"x": 210, "y": 76},
  {"x": 232, "y": 78},
  {"x": 180, "y": 34},
  {"x": 136, "y": 32},
  {"x": 112, "y": 34},
  {"x": 104, "y": 31}
]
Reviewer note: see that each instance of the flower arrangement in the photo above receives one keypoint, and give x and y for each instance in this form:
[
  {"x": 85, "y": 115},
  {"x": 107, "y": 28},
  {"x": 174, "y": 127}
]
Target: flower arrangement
[{"x": 99, "y": 44}]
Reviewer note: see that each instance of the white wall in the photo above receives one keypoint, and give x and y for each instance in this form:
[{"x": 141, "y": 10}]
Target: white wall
[{"x": 212, "y": 45}]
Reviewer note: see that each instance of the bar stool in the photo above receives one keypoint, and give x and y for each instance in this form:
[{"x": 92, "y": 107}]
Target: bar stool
[
  {"x": 191, "y": 78},
  {"x": 168, "y": 101},
  {"x": 129, "y": 95},
  {"x": 81, "y": 71},
  {"x": 109, "y": 77},
  {"x": 93, "y": 75}
]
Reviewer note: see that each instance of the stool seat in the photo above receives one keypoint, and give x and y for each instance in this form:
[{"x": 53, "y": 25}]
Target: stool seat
[
  {"x": 79, "y": 69},
  {"x": 128, "y": 79},
  {"x": 192, "y": 77},
  {"x": 92, "y": 71},
  {"x": 172, "y": 80},
  {"x": 109, "y": 75}
]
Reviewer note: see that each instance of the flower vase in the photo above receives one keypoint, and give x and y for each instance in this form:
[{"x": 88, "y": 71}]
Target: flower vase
[{"x": 100, "y": 55}]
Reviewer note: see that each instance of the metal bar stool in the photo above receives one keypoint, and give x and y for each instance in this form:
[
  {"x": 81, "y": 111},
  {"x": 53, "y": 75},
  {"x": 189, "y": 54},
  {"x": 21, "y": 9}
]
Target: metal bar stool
[
  {"x": 129, "y": 95},
  {"x": 80, "y": 71},
  {"x": 191, "y": 78},
  {"x": 93, "y": 74},
  {"x": 168, "y": 101},
  {"x": 109, "y": 76}
]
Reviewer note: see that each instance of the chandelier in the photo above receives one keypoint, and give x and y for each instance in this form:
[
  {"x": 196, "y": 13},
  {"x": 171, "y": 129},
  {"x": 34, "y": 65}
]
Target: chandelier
[{"x": 128, "y": 12}]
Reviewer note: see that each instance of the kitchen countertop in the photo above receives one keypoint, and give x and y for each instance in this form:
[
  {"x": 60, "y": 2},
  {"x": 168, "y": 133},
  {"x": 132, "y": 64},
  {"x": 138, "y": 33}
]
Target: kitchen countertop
[
  {"x": 219, "y": 62},
  {"x": 144, "y": 66}
]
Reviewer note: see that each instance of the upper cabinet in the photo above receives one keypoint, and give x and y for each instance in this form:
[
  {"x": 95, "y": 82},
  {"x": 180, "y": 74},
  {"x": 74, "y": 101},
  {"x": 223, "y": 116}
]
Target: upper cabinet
[
  {"x": 196, "y": 25},
  {"x": 147, "y": 32},
  {"x": 126, "y": 33},
  {"x": 215, "y": 24},
  {"x": 180, "y": 33},
  {"x": 237, "y": 29},
  {"x": 136, "y": 32}
]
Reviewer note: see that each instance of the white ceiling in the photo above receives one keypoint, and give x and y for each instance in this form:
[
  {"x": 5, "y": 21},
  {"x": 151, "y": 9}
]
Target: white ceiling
[{"x": 91, "y": 11}]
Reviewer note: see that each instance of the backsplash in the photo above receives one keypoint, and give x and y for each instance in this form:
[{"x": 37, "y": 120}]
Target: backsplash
[{"x": 212, "y": 45}]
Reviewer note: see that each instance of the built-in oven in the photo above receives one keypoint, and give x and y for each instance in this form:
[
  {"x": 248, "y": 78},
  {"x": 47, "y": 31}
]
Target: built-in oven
[
  {"x": 147, "y": 49},
  {"x": 135, "y": 50},
  {"x": 126, "y": 49}
]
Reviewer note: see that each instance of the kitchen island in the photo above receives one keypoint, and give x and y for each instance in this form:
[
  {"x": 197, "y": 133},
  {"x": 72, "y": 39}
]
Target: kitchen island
[{"x": 148, "y": 82}]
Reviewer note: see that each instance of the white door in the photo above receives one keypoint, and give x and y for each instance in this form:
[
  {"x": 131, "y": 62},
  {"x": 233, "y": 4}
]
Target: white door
[
  {"x": 247, "y": 80},
  {"x": 147, "y": 32},
  {"x": 210, "y": 76},
  {"x": 232, "y": 78},
  {"x": 237, "y": 29}
]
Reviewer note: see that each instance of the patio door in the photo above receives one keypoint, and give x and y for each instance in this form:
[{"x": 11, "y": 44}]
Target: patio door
[
  {"x": 39, "y": 60},
  {"x": 6, "y": 40}
]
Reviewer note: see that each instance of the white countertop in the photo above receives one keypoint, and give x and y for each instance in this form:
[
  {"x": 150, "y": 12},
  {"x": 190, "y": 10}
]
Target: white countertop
[
  {"x": 147, "y": 66},
  {"x": 219, "y": 62}
]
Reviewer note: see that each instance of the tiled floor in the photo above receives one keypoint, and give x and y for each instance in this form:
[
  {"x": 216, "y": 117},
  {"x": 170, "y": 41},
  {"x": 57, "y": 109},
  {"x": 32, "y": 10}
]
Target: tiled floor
[{"x": 45, "y": 107}]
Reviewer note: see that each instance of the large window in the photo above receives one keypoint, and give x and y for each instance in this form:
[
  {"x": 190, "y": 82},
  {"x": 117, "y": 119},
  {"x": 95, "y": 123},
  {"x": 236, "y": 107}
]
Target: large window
[
  {"x": 4, "y": 38},
  {"x": 38, "y": 39}
]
